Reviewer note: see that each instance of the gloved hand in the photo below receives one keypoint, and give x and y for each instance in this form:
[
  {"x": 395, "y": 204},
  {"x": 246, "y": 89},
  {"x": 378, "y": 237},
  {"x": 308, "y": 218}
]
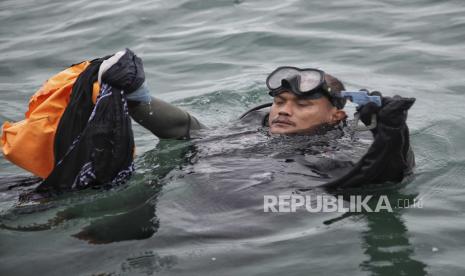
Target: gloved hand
[
  {"x": 393, "y": 111},
  {"x": 123, "y": 70}
]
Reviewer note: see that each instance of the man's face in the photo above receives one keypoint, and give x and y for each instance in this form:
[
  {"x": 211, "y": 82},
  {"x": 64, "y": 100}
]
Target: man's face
[{"x": 291, "y": 114}]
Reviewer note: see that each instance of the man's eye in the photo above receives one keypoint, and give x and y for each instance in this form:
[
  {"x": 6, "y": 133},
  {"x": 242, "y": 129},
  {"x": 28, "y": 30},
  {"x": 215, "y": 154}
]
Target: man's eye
[
  {"x": 304, "y": 103},
  {"x": 278, "y": 102}
]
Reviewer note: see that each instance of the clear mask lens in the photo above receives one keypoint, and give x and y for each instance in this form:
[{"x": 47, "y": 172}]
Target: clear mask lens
[
  {"x": 307, "y": 79},
  {"x": 274, "y": 81}
]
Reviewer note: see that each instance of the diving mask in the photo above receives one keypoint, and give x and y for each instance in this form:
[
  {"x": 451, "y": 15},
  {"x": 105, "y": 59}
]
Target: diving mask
[{"x": 309, "y": 83}]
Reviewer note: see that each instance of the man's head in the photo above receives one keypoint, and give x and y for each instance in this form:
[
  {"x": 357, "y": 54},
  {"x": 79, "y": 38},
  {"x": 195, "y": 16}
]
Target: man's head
[{"x": 292, "y": 113}]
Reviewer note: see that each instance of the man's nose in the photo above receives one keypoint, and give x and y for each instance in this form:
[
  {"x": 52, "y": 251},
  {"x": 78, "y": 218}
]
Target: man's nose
[{"x": 285, "y": 109}]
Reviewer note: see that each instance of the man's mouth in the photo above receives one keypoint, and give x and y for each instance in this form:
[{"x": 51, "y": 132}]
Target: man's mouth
[{"x": 282, "y": 122}]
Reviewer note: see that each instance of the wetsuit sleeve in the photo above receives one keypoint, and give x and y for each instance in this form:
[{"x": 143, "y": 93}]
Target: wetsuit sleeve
[
  {"x": 163, "y": 119},
  {"x": 390, "y": 157},
  {"x": 124, "y": 70}
]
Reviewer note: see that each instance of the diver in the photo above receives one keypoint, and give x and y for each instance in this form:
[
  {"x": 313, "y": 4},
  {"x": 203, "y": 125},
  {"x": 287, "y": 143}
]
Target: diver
[
  {"x": 305, "y": 102},
  {"x": 82, "y": 117}
]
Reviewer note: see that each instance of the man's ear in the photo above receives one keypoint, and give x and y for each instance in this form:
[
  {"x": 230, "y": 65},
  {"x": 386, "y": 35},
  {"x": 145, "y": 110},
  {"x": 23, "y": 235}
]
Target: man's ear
[{"x": 337, "y": 116}]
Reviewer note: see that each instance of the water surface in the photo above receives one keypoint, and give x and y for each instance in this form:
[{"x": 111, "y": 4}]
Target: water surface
[{"x": 211, "y": 58}]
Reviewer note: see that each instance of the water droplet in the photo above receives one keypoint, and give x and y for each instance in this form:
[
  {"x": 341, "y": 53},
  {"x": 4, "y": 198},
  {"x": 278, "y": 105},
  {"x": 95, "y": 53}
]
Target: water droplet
[
  {"x": 151, "y": 113},
  {"x": 434, "y": 249},
  {"x": 213, "y": 259}
]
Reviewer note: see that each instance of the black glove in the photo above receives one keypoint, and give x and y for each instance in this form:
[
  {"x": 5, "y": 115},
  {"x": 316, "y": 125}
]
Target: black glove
[
  {"x": 392, "y": 113},
  {"x": 390, "y": 157},
  {"x": 124, "y": 70}
]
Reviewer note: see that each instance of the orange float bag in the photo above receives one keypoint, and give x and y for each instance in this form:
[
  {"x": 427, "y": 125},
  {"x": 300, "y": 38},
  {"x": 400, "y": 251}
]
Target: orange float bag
[{"x": 30, "y": 142}]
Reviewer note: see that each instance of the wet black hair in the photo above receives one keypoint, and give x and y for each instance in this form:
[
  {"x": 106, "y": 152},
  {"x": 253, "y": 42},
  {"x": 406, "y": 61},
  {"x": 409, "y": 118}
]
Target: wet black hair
[{"x": 335, "y": 86}]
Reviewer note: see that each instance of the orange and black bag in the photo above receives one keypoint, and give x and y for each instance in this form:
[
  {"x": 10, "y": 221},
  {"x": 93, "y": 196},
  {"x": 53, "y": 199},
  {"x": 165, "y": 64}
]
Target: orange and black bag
[
  {"x": 76, "y": 134},
  {"x": 29, "y": 143}
]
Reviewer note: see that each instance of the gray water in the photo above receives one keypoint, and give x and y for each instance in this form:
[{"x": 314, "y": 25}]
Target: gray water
[{"x": 211, "y": 58}]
